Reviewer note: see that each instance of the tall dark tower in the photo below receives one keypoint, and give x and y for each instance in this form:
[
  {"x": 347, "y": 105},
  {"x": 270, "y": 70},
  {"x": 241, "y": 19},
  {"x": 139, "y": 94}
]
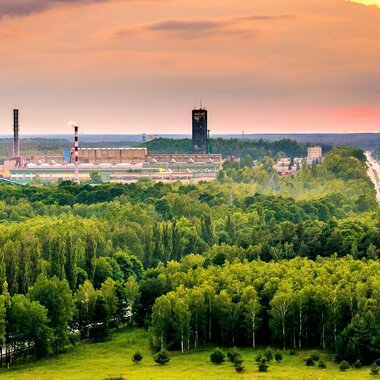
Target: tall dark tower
[
  {"x": 16, "y": 146},
  {"x": 200, "y": 133}
]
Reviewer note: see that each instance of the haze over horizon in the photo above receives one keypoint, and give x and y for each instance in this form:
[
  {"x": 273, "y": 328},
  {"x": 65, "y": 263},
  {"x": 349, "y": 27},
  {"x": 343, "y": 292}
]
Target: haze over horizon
[{"x": 128, "y": 67}]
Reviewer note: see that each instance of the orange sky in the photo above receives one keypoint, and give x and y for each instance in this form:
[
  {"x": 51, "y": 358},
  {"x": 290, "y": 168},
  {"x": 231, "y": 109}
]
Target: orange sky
[{"x": 133, "y": 66}]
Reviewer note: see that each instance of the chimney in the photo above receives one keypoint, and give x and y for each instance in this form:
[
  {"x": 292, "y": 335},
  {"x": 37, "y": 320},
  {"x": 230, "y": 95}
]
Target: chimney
[
  {"x": 76, "y": 147},
  {"x": 16, "y": 146}
]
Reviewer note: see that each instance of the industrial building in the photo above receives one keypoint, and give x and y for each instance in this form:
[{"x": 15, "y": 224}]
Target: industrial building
[
  {"x": 116, "y": 164},
  {"x": 314, "y": 154},
  {"x": 200, "y": 131},
  {"x": 110, "y": 155}
]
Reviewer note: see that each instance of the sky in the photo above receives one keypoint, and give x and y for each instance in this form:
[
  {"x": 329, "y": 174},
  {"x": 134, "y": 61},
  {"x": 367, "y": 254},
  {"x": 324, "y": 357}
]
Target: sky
[{"x": 140, "y": 66}]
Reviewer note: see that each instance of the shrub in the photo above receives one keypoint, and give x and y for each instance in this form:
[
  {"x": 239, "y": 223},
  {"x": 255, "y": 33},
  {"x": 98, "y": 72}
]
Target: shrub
[
  {"x": 232, "y": 354},
  {"x": 278, "y": 356},
  {"x": 137, "y": 357},
  {"x": 162, "y": 357},
  {"x": 344, "y": 366},
  {"x": 239, "y": 368},
  {"x": 263, "y": 366},
  {"x": 268, "y": 354},
  {"x": 292, "y": 352},
  {"x": 374, "y": 369},
  {"x": 218, "y": 356},
  {"x": 309, "y": 362},
  {"x": 357, "y": 364},
  {"x": 377, "y": 361},
  {"x": 315, "y": 356},
  {"x": 238, "y": 363},
  {"x": 259, "y": 358},
  {"x": 238, "y": 360},
  {"x": 321, "y": 364}
]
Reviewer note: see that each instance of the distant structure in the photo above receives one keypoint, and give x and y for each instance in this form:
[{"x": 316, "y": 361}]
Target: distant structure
[
  {"x": 112, "y": 156},
  {"x": 16, "y": 145},
  {"x": 314, "y": 153},
  {"x": 200, "y": 131},
  {"x": 76, "y": 147}
]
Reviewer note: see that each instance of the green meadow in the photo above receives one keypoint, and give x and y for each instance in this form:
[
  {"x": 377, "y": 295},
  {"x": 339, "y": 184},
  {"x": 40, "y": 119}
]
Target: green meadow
[{"x": 112, "y": 359}]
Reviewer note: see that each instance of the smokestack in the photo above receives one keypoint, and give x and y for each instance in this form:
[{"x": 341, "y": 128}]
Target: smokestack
[
  {"x": 16, "y": 146},
  {"x": 76, "y": 145}
]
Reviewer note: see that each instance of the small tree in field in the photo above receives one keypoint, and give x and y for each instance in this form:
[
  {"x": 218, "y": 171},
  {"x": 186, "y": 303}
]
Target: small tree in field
[
  {"x": 263, "y": 366},
  {"x": 162, "y": 357},
  {"x": 268, "y": 354},
  {"x": 344, "y": 366},
  {"x": 239, "y": 368},
  {"x": 278, "y": 356},
  {"x": 232, "y": 354},
  {"x": 374, "y": 369},
  {"x": 137, "y": 357},
  {"x": 217, "y": 357}
]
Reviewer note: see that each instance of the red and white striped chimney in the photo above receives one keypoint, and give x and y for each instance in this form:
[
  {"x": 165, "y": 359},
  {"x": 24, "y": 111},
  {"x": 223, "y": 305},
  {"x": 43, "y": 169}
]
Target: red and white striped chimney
[{"x": 76, "y": 158}]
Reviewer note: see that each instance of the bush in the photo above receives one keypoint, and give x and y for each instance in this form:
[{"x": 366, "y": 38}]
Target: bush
[
  {"x": 278, "y": 356},
  {"x": 315, "y": 356},
  {"x": 137, "y": 357},
  {"x": 357, "y": 364},
  {"x": 263, "y": 366},
  {"x": 344, "y": 366},
  {"x": 374, "y": 369},
  {"x": 238, "y": 360},
  {"x": 321, "y": 364},
  {"x": 217, "y": 357},
  {"x": 268, "y": 354},
  {"x": 239, "y": 368},
  {"x": 162, "y": 357},
  {"x": 292, "y": 352},
  {"x": 232, "y": 354},
  {"x": 259, "y": 358},
  {"x": 310, "y": 362},
  {"x": 377, "y": 361}
]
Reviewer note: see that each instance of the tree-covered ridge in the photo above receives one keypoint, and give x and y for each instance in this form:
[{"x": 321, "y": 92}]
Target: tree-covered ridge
[{"x": 256, "y": 149}]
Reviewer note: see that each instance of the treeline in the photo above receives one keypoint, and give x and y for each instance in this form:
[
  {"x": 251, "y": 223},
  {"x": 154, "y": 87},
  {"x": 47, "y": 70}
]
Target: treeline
[
  {"x": 256, "y": 149},
  {"x": 50, "y": 315},
  {"x": 329, "y": 303},
  {"x": 34, "y": 146}
]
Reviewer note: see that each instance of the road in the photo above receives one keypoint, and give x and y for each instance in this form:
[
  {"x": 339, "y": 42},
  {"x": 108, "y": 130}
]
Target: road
[{"x": 373, "y": 169}]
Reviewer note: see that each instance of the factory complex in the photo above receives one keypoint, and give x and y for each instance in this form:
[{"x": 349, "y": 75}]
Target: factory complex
[{"x": 122, "y": 164}]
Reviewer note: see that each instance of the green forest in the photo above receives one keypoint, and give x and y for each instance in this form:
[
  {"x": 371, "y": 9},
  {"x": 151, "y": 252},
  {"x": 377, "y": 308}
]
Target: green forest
[
  {"x": 256, "y": 149},
  {"x": 248, "y": 260}
]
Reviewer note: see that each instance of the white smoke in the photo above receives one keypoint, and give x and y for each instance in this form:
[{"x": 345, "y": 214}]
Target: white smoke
[{"x": 72, "y": 124}]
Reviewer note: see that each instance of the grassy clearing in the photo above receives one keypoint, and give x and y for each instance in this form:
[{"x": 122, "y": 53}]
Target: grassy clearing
[{"x": 113, "y": 359}]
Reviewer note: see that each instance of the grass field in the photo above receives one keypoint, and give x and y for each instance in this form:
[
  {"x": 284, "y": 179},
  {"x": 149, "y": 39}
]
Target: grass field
[{"x": 113, "y": 359}]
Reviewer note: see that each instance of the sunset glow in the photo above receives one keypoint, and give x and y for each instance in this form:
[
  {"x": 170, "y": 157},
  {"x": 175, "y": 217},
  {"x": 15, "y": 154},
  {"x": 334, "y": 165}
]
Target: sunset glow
[
  {"x": 140, "y": 66},
  {"x": 367, "y": 2}
]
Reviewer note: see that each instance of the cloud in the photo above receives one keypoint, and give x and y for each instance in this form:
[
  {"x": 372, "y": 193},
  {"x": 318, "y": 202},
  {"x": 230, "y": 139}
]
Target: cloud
[
  {"x": 14, "y": 8},
  {"x": 196, "y": 28}
]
